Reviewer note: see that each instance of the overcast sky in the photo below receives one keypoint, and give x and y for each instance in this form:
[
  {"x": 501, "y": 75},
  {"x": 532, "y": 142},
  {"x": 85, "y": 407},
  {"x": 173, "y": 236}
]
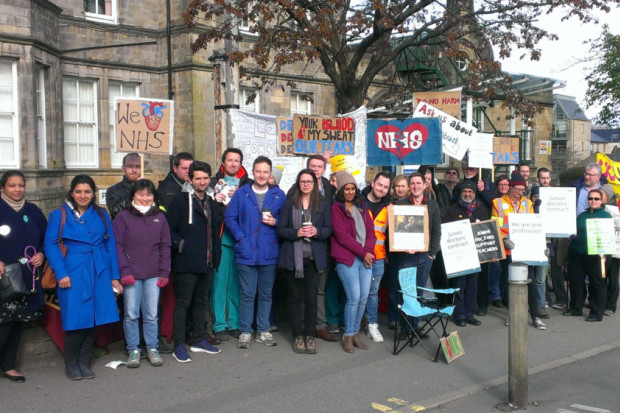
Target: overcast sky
[{"x": 558, "y": 56}]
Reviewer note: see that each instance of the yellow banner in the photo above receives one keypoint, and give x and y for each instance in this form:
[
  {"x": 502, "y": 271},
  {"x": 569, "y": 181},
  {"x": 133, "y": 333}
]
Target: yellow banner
[{"x": 611, "y": 170}]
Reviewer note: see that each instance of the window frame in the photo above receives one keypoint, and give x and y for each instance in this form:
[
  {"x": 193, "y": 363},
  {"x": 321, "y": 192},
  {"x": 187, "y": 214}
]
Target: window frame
[
  {"x": 85, "y": 165},
  {"x": 103, "y": 18},
  {"x": 114, "y": 163},
  {"x": 243, "y": 92},
  {"x": 298, "y": 99},
  {"x": 41, "y": 117},
  {"x": 15, "y": 116}
]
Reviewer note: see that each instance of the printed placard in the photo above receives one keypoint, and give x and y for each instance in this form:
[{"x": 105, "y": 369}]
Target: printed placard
[
  {"x": 558, "y": 208},
  {"x": 488, "y": 240},
  {"x": 528, "y": 234},
  {"x": 601, "y": 236},
  {"x": 460, "y": 256},
  {"x": 408, "y": 227},
  {"x": 320, "y": 134},
  {"x": 144, "y": 125},
  {"x": 481, "y": 151},
  {"x": 455, "y": 135},
  {"x": 615, "y": 214}
]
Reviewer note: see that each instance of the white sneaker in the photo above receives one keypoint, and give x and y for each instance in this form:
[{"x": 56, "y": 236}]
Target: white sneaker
[
  {"x": 266, "y": 338},
  {"x": 374, "y": 334},
  {"x": 244, "y": 340},
  {"x": 539, "y": 324}
]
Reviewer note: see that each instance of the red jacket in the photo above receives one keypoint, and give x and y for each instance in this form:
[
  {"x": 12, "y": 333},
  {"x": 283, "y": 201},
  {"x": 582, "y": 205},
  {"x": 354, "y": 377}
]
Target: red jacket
[{"x": 344, "y": 247}]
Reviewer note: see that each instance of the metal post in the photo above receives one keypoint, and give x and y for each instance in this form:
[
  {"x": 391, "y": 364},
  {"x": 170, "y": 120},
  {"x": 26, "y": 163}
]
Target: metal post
[{"x": 517, "y": 336}]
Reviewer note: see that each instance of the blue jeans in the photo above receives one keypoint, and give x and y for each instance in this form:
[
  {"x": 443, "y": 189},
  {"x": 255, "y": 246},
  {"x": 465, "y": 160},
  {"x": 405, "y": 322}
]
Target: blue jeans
[
  {"x": 141, "y": 296},
  {"x": 356, "y": 282},
  {"x": 372, "y": 305},
  {"x": 423, "y": 264},
  {"x": 541, "y": 283},
  {"x": 495, "y": 272},
  {"x": 253, "y": 280}
]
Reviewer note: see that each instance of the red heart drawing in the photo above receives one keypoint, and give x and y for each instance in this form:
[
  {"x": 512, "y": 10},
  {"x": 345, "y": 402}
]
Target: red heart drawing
[{"x": 401, "y": 143}]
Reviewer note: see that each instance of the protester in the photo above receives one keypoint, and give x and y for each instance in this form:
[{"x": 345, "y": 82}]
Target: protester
[
  {"x": 143, "y": 248},
  {"x": 117, "y": 196},
  {"x": 172, "y": 185},
  {"x": 352, "y": 246},
  {"x": 591, "y": 179},
  {"x": 613, "y": 287},
  {"x": 304, "y": 228},
  {"x": 445, "y": 190},
  {"x": 525, "y": 170},
  {"x": 22, "y": 229},
  {"x": 88, "y": 275},
  {"x": 495, "y": 269}
]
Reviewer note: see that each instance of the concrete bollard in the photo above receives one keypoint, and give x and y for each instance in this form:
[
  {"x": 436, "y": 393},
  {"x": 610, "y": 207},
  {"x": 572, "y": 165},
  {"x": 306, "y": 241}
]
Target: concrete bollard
[{"x": 517, "y": 336}]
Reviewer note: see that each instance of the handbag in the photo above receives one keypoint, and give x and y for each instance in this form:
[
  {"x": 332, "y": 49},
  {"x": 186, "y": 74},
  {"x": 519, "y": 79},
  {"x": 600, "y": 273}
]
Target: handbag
[
  {"x": 49, "y": 278},
  {"x": 12, "y": 284}
]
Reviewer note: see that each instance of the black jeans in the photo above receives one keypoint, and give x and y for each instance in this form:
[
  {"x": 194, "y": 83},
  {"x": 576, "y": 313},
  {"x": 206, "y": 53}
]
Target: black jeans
[
  {"x": 532, "y": 298},
  {"x": 613, "y": 287},
  {"x": 10, "y": 336},
  {"x": 578, "y": 266},
  {"x": 557, "y": 276},
  {"x": 303, "y": 291},
  {"x": 191, "y": 290}
]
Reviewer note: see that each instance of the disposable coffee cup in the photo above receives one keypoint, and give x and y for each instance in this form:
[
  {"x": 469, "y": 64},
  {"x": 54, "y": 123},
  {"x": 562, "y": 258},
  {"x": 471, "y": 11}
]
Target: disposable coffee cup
[
  {"x": 266, "y": 213},
  {"x": 305, "y": 224}
]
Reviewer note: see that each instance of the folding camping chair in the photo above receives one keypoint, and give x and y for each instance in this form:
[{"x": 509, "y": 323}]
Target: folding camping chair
[{"x": 425, "y": 309}]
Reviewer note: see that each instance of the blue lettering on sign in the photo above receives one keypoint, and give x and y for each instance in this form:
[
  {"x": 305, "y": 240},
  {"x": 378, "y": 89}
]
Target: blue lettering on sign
[{"x": 506, "y": 157}]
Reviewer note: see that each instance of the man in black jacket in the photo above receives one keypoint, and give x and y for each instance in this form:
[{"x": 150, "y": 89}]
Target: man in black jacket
[
  {"x": 172, "y": 185},
  {"x": 117, "y": 196},
  {"x": 194, "y": 222}
]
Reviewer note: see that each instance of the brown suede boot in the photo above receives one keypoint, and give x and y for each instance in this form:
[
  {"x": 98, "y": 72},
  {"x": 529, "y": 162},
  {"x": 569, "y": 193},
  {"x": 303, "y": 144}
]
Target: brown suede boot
[
  {"x": 348, "y": 344},
  {"x": 357, "y": 342}
]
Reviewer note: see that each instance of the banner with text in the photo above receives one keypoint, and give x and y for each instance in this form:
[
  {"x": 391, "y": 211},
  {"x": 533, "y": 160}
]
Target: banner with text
[
  {"x": 144, "y": 125},
  {"x": 558, "y": 208},
  {"x": 285, "y": 136},
  {"x": 449, "y": 101},
  {"x": 488, "y": 240},
  {"x": 320, "y": 134},
  {"x": 615, "y": 214},
  {"x": 528, "y": 235},
  {"x": 456, "y": 135},
  {"x": 506, "y": 150},
  {"x": 611, "y": 170},
  {"x": 460, "y": 256},
  {"x": 407, "y": 141}
]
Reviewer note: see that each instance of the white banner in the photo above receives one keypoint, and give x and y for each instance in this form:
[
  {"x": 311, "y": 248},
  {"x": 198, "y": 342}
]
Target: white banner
[
  {"x": 481, "y": 151},
  {"x": 456, "y": 135},
  {"x": 615, "y": 214},
  {"x": 460, "y": 255},
  {"x": 528, "y": 235},
  {"x": 558, "y": 209}
]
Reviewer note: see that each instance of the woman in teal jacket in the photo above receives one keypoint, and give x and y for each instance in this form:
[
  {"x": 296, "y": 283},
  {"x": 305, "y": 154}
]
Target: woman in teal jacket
[{"x": 87, "y": 274}]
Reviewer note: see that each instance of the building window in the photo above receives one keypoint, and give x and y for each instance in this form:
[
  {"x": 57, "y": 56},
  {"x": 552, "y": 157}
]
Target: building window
[
  {"x": 246, "y": 24},
  {"x": 80, "y": 123},
  {"x": 249, "y": 106},
  {"x": 300, "y": 103},
  {"x": 100, "y": 10},
  {"x": 41, "y": 127},
  {"x": 9, "y": 144},
  {"x": 118, "y": 90}
]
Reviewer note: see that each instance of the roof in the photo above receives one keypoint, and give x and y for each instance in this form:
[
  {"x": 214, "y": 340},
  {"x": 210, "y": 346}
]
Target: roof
[
  {"x": 605, "y": 135},
  {"x": 570, "y": 106}
]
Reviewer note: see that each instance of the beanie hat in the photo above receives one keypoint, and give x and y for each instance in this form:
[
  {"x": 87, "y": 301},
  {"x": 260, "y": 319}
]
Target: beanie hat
[
  {"x": 517, "y": 179},
  {"x": 535, "y": 191},
  {"x": 468, "y": 184},
  {"x": 343, "y": 178},
  {"x": 608, "y": 190},
  {"x": 277, "y": 174}
]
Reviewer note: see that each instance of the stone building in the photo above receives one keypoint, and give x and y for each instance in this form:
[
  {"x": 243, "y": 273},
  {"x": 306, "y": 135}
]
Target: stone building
[
  {"x": 571, "y": 133},
  {"x": 604, "y": 140}
]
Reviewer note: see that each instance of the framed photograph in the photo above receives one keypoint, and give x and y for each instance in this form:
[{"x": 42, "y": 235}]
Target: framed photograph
[{"x": 408, "y": 227}]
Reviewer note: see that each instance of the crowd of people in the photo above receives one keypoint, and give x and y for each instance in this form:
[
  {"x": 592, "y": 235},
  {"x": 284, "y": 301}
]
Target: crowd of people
[{"x": 203, "y": 246}]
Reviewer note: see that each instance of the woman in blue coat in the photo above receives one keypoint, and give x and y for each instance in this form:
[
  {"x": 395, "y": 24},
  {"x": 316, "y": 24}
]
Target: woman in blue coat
[{"x": 87, "y": 274}]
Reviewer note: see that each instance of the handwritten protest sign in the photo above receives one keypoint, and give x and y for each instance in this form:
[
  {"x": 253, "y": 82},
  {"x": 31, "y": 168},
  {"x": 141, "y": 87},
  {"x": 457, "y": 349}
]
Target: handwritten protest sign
[
  {"x": 601, "y": 236},
  {"x": 506, "y": 150},
  {"x": 615, "y": 214},
  {"x": 408, "y": 227},
  {"x": 320, "y": 134},
  {"x": 528, "y": 235},
  {"x": 456, "y": 135},
  {"x": 407, "y": 141},
  {"x": 558, "y": 208},
  {"x": 488, "y": 240},
  {"x": 481, "y": 151},
  {"x": 144, "y": 125},
  {"x": 285, "y": 136},
  {"x": 460, "y": 256},
  {"x": 447, "y": 101}
]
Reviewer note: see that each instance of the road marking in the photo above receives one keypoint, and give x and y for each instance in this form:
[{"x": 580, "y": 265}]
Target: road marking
[
  {"x": 381, "y": 407},
  {"x": 565, "y": 411},
  {"x": 590, "y": 409},
  {"x": 400, "y": 403}
]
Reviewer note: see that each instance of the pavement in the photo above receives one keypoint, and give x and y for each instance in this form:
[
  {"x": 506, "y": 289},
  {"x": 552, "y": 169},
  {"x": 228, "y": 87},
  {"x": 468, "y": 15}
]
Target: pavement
[{"x": 274, "y": 379}]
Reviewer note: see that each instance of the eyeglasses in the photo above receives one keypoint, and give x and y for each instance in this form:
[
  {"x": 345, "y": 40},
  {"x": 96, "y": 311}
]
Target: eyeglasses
[
  {"x": 502, "y": 184},
  {"x": 451, "y": 173},
  {"x": 518, "y": 189},
  {"x": 306, "y": 182},
  {"x": 593, "y": 199},
  {"x": 589, "y": 174}
]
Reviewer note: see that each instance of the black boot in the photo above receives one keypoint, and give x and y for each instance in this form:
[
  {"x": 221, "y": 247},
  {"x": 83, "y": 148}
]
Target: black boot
[
  {"x": 73, "y": 341},
  {"x": 86, "y": 351}
]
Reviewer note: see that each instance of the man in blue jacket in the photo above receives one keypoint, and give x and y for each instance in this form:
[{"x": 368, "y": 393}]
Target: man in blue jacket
[{"x": 252, "y": 218}]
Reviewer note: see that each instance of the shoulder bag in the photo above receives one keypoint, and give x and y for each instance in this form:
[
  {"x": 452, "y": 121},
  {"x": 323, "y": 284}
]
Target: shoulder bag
[
  {"x": 49, "y": 278},
  {"x": 12, "y": 284}
]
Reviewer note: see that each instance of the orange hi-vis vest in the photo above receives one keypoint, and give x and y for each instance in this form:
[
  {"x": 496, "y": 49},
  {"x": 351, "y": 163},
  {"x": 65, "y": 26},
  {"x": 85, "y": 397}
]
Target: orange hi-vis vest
[
  {"x": 504, "y": 206},
  {"x": 380, "y": 222}
]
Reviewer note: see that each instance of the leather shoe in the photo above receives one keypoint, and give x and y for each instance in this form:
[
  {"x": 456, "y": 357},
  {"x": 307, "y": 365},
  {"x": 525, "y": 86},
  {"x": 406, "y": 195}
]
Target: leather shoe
[
  {"x": 473, "y": 322},
  {"x": 498, "y": 303},
  {"x": 421, "y": 333},
  {"x": 347, "y": 344},
  {"x": 571, "y": 313},
  {"x": 324, "y": 334},
  {"x": 213, "y": 340},
  {"x": 357, "y": 342},
  {"x": 16, "y": 378},
  {"x": 592, "y": 317},
  {"x": 482, "y": 311},
  {"x": 460, "y": 323}
]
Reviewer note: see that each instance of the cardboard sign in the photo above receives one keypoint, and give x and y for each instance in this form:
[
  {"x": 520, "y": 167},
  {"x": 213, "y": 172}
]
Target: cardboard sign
[
  {"x": 285, "y": 136},
  {"x": 320, "y": 134},
  {"x": 528, "y": 235},
  {"x": 408, "y": 227},
  {"x": 488, "y": 240},
  {"x": 144, "y": 125},
  {"x": 452, "y": 346},
  {"x": 615, "y": 214},
  {"x": 558, "y": 208},
  {"x": 396, "y": 142},
  {"x": 506, "y": 150},
  {"x": 455, "y": 135},
  {"x": 481, "y": 151},
  {"x": 459, "y": 249},
  {"x": 601, "y": 236},
  {"x": 449, "y": 101}
]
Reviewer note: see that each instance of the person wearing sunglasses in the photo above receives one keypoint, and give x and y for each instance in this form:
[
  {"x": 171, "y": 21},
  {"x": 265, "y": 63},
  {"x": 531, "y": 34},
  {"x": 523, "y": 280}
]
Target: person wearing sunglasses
[{"x": 581, "y": 263}]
